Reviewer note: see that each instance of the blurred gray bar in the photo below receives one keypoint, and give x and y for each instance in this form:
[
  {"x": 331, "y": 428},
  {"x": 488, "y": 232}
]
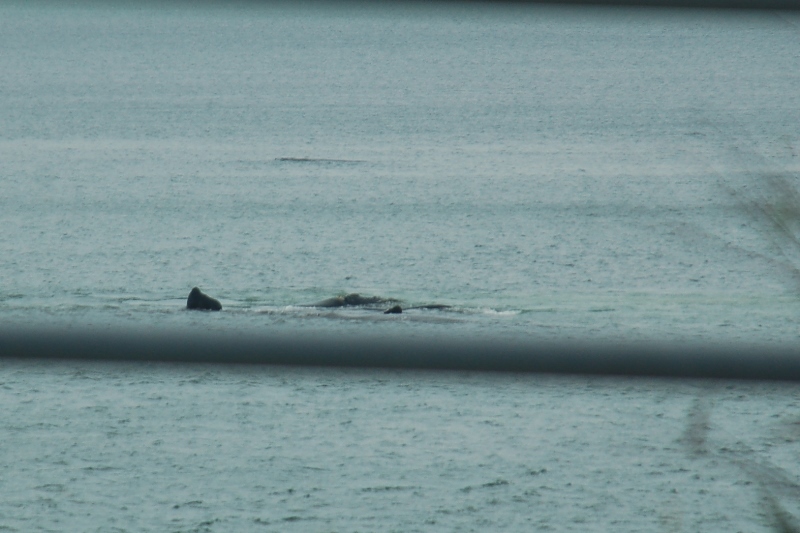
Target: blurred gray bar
[
  {"x": 702, "y": 4},
  {"x": 471, "y": 354}
]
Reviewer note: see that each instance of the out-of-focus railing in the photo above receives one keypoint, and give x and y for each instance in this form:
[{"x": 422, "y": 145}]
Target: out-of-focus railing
[
  {"x": 704, "y": 4},
  {"x": 435, "y": 353}
]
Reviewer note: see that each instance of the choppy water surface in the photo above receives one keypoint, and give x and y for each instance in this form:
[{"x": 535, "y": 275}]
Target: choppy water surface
[
  {"x": 195, "y": 448},
  {"x": 549, "y": 173}
]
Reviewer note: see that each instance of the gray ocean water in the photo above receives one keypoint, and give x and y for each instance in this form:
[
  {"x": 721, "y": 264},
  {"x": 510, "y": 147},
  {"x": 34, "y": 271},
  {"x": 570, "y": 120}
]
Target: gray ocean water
[{"x": 549, "y": 173}]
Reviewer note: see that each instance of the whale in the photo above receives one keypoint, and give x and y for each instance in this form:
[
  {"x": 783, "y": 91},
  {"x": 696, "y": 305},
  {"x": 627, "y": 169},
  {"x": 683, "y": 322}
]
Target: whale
[
  {"x": 353, "y": 299},
  {"x": 396, "y": 310},
  {"x": 198, "y": 300}
]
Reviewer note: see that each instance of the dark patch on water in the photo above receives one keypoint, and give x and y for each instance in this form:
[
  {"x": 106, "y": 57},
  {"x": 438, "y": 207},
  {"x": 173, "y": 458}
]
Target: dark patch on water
[
  {"x": 98, "y": 468},
  {"x": 491, "y": 484},
  {"x": 316, "y": 160},
  {"x": 193, "y": 503},
  {"x": 51, "y": 487},
  {"x": 387, "y": 489}
]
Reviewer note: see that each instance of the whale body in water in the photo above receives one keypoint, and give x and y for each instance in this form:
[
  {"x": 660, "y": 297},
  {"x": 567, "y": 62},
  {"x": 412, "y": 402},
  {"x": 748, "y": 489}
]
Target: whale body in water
[
  {"x": 396, "y": 310},
  {"x": 353, "y": 300},
  {"x": 198, "y": 300}
]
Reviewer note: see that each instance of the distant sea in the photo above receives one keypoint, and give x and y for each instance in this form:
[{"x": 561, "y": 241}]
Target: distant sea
[{"x": 547, "y": 173}]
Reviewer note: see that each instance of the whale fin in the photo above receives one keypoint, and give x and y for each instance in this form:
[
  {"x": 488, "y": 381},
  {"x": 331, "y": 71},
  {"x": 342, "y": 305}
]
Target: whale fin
[{"x": 200, "y": 301}]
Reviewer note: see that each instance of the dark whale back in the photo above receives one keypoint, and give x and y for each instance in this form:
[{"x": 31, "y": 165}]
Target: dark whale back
[
  {"x": 353, "y": 299},
  {"x": 198, "y": 300},
  {"x": 357, "y": 299}
]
